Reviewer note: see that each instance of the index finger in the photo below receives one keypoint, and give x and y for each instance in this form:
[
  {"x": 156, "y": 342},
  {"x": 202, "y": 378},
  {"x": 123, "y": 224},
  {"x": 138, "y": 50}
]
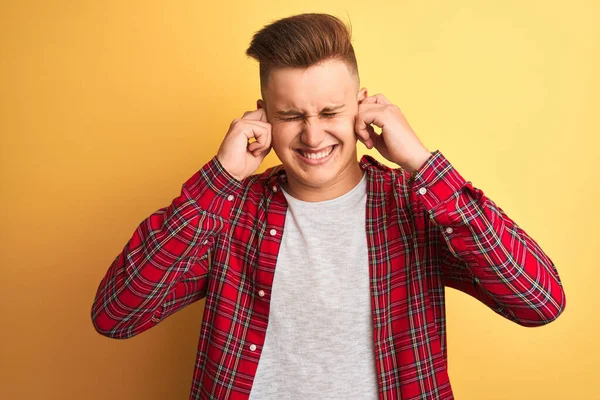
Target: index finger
[
  {"x": 256, "y": 115},
  {"x": 376, "y": 99}
]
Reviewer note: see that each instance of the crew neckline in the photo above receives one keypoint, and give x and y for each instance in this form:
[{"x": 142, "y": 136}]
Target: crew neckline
[{"x": 344, "y": 196}]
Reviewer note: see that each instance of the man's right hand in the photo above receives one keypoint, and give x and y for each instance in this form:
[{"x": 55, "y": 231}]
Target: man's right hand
[{"x": 238, "y": 155}]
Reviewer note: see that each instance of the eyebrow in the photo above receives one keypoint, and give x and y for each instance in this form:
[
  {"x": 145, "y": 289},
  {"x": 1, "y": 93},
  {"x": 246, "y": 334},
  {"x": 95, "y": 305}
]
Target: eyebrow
[{"x": 293, "y": 111}]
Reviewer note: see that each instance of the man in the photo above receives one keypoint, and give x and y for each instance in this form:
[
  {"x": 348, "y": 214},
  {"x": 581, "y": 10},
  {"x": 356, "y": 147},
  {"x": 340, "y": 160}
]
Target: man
[{"x": 324, "y": 277}]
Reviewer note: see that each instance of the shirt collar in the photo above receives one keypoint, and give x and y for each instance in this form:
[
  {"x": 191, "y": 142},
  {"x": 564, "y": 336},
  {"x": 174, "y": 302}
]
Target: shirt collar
[{"x": 276, "y": 176}]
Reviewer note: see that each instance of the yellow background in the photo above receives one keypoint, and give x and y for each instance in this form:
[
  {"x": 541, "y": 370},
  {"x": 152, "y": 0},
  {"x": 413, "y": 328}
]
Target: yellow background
[{"x": 106, "y": 108}]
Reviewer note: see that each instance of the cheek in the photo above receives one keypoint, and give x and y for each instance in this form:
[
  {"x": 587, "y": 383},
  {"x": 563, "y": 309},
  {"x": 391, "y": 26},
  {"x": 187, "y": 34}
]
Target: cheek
[
  {"x": 343, "y": 128},
  {"x": 282, "y": 136}
]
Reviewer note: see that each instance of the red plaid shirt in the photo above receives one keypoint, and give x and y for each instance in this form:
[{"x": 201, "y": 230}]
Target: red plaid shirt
[{"x": 219, "y": 240}]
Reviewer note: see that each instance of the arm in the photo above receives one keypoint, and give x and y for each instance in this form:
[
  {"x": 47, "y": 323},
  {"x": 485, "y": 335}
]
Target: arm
[
  {"x": 483, "y": 252},
  {"x": 164, "y": 266}
]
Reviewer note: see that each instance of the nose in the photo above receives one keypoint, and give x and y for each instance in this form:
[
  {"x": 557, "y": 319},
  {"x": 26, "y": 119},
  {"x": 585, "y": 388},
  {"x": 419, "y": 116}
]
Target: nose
[{"x": 312, "y": 133}]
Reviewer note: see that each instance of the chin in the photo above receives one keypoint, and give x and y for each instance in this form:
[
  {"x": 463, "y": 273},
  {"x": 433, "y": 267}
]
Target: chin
[
  {"x": 317, "y": 182},
  {"x": 319, "y": 178}
]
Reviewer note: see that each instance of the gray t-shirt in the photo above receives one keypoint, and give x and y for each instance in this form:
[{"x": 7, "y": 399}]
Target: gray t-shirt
[{"x": 319, "y": 340}]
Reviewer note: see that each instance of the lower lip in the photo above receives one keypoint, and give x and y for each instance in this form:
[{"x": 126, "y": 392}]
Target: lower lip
[{"x": 317, "y": 161}]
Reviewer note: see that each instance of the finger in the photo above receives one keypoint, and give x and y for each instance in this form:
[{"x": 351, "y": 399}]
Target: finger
[
  {"x": 368, "y": 143},
  {"x": 262, "y": 153},
  {"x": 366, "y": 140},
  {"x": 370, "y": 106},
  {"x": 254, "y": 129},
  {"x": 262, "y": 138},
  {"x": 372, "y": 114},
  {"x": 262, "y": 143},
  {"x": 360, "y": 129},
  {"x": 376, "y": 99},
  {"x": 374, "y": 136},
  {"x": 259, "y": 124},
  {"x": 257, "y": 150},
  {"x": 256, "y": 115},
  {"x": 363, "y": 126},
  {"x": 262, "y": 112}
]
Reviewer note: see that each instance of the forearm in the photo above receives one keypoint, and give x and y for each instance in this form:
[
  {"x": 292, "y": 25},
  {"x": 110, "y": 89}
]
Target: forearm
[
  {"x": 163, "y": 248},
  {"x": 507, "y": 266}
]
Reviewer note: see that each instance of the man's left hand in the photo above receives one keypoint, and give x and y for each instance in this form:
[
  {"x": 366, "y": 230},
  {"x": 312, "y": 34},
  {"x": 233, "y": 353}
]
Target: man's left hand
[{"x": 397, "y": 142}]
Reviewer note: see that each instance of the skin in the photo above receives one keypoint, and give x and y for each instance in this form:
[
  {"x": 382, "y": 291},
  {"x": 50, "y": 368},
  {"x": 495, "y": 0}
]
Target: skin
[{"x": 292, "y": 119}]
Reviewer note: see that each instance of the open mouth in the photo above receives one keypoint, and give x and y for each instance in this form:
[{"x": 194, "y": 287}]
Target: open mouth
[{"x": 316, "y": 156}]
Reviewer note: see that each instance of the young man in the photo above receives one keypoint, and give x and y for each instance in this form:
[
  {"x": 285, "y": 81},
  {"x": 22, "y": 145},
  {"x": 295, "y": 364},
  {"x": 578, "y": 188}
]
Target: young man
[{"x": 324, "y": 277}]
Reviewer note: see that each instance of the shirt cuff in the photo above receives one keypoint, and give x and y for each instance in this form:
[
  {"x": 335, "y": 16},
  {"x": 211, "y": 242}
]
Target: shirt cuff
[
  {"x": 436, "y": 181},
  {"x": 214, "y": 189}
]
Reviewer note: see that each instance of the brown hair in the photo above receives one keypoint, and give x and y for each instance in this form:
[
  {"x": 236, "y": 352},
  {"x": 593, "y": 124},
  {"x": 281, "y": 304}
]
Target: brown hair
[{"x": 301, "y": 41}]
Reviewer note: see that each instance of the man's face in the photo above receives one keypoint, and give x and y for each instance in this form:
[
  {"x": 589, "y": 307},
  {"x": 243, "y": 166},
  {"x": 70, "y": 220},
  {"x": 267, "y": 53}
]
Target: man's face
[{"x": 312, "y": 112}]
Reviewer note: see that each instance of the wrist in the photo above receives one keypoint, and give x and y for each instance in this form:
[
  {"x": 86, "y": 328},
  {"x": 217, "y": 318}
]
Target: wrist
[
  {"x": 227, "y": 169},
  {"x": 416, "y": 162}
]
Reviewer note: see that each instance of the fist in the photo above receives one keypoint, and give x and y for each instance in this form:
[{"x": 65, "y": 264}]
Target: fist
[
  {"x": 246, "y": 144},
  {"x": 397, "y": 141}
]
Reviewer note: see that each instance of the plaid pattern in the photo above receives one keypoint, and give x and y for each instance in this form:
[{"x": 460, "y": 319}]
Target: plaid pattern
[{"x": 219, "y": 240}]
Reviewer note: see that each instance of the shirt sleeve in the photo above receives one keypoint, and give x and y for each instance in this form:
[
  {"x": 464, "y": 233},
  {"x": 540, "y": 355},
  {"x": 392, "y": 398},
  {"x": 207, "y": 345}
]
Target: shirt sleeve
[
  {"x": 483, "y": 252},
  {"x": 164, "y": 265}
]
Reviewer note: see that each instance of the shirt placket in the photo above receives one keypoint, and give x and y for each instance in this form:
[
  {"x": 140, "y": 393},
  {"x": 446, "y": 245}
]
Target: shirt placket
[{"x": 270, "y": 234}]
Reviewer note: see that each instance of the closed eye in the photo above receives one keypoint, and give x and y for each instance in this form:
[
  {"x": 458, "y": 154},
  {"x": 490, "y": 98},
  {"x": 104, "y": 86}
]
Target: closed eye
[{"x": 326, "y": 115}]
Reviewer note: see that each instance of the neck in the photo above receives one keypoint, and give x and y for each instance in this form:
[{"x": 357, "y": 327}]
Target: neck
[{"x": 346, "y": 181}]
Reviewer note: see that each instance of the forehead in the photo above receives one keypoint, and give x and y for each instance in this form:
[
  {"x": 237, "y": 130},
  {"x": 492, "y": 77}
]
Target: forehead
[{"x": 328, "y": 82}]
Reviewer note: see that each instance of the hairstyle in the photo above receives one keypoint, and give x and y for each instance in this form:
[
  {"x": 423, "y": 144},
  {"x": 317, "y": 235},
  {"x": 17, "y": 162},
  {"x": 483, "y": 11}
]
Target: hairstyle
[{"x": 301, "y": 41}]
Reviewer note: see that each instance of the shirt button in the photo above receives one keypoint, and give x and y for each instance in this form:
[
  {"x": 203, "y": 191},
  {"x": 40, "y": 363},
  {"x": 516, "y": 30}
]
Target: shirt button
[
  {"x": 205, "y": 243},
  {"x": 273, "y": 232},
  {"x": 261, "y": 293},
  {"x": 230, "y": 197},
  {"x": 476, "y": 280},
  {"x": 449, "y": 230},
  {"x": 252, "y": 347},
  {"x": 422, "y": 190},
  {"x": 274, "y": 188}
]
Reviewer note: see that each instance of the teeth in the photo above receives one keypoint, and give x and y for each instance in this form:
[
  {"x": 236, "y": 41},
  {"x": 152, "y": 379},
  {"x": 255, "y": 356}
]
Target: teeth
[{"x": 319, "y": 155}]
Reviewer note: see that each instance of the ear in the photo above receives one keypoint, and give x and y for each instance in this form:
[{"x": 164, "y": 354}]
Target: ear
[
  {"x": 362, "y": 94},
  {"x": 260, "y": 104}
]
